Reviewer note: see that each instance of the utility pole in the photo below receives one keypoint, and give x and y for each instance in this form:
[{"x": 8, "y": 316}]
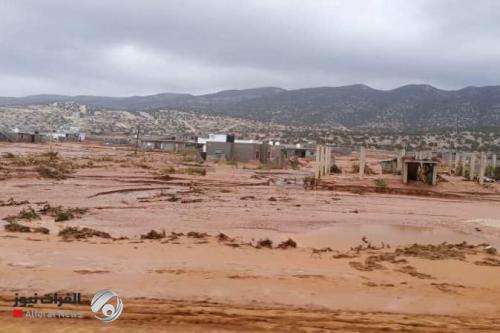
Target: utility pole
[{"x": 137, "y": 139}]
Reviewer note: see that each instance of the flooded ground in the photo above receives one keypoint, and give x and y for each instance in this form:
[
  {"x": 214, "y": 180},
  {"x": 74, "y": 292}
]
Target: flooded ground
[
  {"x": 207, "y": 267},
  {"x": 345, "y": 236}
]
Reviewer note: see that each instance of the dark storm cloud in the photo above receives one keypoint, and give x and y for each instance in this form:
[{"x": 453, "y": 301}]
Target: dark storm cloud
[{"x": 122, "y": 47}]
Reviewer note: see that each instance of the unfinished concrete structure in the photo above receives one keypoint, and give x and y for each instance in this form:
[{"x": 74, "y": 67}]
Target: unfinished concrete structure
[
  {"x": 472, "y": 166},
  {"x": 168, "y": 145},
  {"x": 362, "y": 162},
  {"x": 323, "y": 163},
  {"x": 493, "y": 165},
  {"x": 482, "y": 167},
  {"x": 34, "y": 137},
  {"x": 423, "y": 170},
  {"x": 298, "y": 150},
  {"x": 390, "y": 166},
  {"x": 221, "y": 147},
  {"x": 399, "y": 160}
]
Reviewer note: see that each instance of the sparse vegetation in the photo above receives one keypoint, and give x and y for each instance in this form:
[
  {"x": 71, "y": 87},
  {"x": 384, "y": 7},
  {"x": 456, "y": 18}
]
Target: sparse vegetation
[
  {"x": 16, "y": 227},
  {"x": 194, "y": 234},
  {"x": 63, "y": 214},
  {"x": 195, "y": 171},
  {"x": 153, "y": 234},
  {"x": 380, "y": 184},
  {"x": 336, "y": 169},
  {"x": 47, "y": 164},
  {"x": 28, "y": 214},
  {"x": 264, "y": 243},
  {"x": 12, "y": 202},
  {"x": 70, "y": 233},
  {"x": 289, "y": 243},
  {"x": 367, "y": 170}
]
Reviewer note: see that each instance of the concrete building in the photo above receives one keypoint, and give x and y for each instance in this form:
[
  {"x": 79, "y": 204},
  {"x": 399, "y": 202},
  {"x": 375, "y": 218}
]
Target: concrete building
[
  {"x": 169, "y": 145},
  {"x": 226, "y": 147},
  {"x": 299, "y": 150},
  {"x": 420, "y": 170},
  {"x": 64, "y": 136},
  {"x": 389, "y": 166},
  {"x": 27, "y": 137}
]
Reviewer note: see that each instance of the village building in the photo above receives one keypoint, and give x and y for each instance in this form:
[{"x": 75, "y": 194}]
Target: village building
[
  {"x": 389, "y": 166},
  {"x": 169, "y": 145},
  {"x": 420, "y": 170},
  {"x": 227, "y": 147},
  {"x": 31, "y": 137}
]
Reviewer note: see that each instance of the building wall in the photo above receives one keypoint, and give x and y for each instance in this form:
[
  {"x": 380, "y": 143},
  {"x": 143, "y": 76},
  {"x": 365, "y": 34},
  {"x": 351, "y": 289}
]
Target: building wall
[
  {"x": 27, "y": 137},
  {"x": 244, "y": 152},
  {"x": 173, "y": 147},
  {"x": 218, "y": 150},
  {"x": 239, "y": 152}
]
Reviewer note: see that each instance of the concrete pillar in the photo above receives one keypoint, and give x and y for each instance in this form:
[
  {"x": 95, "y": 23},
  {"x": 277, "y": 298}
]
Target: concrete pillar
[
  {"x": 405, "y": 173},
  {"x": 328, "y": 159},
  {"x": 317, "y": 166},
  {"x": 482, "y": 167},
  {"x": 472, "y": 166},
  {"x": 325, "y": 161},
  {"x": 493, "y": 164},
  {"x": 399, "y": 162},
  {"x": 434, "y": 174},
  {"x": 463, "y": 163},
  {"x": 457, "y": 160},
  {"x": 362, "y": 161},
  {"x": 450, "y": 162}
]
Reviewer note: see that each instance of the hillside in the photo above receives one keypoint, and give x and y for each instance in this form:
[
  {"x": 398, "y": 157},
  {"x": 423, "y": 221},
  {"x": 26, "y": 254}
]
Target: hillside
[{"x": 356, "y": 107}]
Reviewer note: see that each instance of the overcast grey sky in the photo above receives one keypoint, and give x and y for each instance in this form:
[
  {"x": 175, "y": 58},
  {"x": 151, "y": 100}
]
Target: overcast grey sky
[{"x": 128, "y": 47}]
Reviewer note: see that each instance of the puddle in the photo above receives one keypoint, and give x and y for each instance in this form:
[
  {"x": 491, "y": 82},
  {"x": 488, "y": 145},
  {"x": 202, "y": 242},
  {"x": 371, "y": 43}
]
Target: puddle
[
  {"x": 495, "y": 223},
  {"x": 342, "y": 237}
]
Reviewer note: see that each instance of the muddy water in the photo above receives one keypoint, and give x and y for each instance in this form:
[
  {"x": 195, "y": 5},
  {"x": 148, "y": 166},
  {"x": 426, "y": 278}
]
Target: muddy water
[{"x": 342, "y": 237}]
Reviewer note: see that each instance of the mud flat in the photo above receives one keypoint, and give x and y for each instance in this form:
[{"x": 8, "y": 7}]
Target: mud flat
[{"x": 240, "y": 249}]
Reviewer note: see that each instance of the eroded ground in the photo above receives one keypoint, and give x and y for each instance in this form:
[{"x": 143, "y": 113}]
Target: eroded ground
[{"x": 219, "y": 259}]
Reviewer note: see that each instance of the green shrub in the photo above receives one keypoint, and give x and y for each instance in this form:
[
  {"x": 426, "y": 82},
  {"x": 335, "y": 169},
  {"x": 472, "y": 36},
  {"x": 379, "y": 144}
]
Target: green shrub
[{"x": 380, "y": 183}]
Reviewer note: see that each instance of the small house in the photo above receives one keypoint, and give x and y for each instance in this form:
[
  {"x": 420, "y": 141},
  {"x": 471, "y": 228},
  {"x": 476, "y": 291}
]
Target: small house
[
  {"x": 389, "y": 166},
  {"x": 422, "y": 170},
  {"x": 168, "y": 145}
]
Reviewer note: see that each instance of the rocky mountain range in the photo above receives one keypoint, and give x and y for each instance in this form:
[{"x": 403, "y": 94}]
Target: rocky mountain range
[{"x": 357, "y": 107}]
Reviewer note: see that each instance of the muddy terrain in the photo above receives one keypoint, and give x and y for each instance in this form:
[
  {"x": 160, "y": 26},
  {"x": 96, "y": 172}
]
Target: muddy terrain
[{"x": 219, "y": 247}]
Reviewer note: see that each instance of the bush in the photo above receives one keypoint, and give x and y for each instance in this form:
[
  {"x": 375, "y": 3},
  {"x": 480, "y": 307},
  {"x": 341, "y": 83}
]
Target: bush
[
  {"x": 52, "y": 171},
  {"x": 336, "y": 169},
  {"x": 289, "y": 243},
  {"x": 196, "y": 171},
  {"x": 380, "y": 183},
  {"x": 168, "y": 170},
  {"x": 63, "y": 214},
  {"x": 25, "y": 214},
  {"x": 368, "y": 170},
  {"x": 16, "y": 227},
  {"x": 265, "y": 243},
  {"x": 75, "y": 233},
  {"x": 153, "y": 234},
  {"x": 41, "y": 230}
]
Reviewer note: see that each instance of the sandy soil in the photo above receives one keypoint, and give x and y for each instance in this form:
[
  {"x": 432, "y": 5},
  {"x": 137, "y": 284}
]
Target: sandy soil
[{"x": 352, "y": 269}]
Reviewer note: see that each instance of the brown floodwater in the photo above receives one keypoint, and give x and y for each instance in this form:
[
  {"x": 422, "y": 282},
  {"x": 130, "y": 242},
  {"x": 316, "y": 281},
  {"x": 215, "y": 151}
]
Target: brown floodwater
[{"x": 344, "y": 236}]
